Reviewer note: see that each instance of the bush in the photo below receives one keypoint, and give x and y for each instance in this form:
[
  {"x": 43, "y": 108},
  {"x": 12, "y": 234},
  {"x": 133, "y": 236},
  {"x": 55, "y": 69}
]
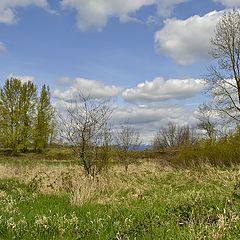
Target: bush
[{"x": 224, "y": 152}]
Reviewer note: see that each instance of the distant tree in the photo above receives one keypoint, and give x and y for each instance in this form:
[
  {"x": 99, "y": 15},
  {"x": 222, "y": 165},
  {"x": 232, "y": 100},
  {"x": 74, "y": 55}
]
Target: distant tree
[
  {"x": 17, "y": 108},
  {"x": 127, "y": 139},
  {"x": 173, "y": 136},
  {"x": 206, "y": 121},
  {"x": 223, "y": 79},
  {"x": 43, "y": 128}
]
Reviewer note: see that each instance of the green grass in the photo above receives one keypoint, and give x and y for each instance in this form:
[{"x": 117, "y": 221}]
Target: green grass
[{"x": 172, "y": 204}]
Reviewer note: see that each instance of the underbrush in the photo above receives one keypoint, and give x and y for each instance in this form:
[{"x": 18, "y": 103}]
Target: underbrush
[
  {"x": 224, "y": 152},
  {"x": 148, "y": 202}
]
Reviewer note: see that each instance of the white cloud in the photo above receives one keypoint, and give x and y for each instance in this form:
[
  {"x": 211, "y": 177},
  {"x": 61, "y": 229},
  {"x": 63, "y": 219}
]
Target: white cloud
[
  {"x": 161, "y": 90},
  {"x": 93, "y": 88},
  {"x": 229, "y": 3},
  {"x": 187, "y": 40},
  {"x": 95, "y": 13},
  {"x": 2, "y": 47},
  {"x": 148, "y": 114},
  {"x": 148, "y": 119},
  {"x": 23, "y": 79},
  {"x": 7, "y": 8}
]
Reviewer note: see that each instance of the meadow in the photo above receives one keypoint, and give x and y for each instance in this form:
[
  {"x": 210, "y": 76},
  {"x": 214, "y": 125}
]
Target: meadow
[{"x": 49, "y": 199}]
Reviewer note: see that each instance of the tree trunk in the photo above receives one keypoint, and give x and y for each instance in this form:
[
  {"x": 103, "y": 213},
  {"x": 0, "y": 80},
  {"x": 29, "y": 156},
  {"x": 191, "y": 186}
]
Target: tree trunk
[{"x": 238, "y": 86}]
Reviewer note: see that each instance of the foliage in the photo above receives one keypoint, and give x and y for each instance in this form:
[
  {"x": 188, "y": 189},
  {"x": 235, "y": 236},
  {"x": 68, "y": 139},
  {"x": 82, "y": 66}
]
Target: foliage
[
  {"x": 225, "y": 151},
  {"x": 17, "y": 108},
  {"x": 20, "y": 115},
  {"x": 44, "y": 120}
]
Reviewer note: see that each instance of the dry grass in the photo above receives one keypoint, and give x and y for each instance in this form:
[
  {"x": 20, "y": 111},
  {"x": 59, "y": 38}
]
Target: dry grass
[
  {"x": 103, "y": 188},
  {"x": 115, "y": 185}
]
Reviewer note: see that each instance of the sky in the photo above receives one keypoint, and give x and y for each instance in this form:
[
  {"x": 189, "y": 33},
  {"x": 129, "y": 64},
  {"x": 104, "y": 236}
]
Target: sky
[{"x": 149, "y": 56}]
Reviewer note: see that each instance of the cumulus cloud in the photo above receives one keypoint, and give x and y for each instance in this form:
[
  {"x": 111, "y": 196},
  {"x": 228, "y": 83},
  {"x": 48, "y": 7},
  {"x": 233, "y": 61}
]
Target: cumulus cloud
[
  {"x": 2, "y": 47},
  {"x": 161, "y": 90},
  {"x": 187, "y": 40},
  {"x": 229, "y": 3},
  {"x": 93, "y": 88},
  {"x": 95, "y": 13},
  {"x": 23, "y": 79},
  {"x": 7, "y": 8}
]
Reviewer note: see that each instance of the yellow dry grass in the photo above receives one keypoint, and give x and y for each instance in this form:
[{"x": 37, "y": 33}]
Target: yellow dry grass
[
  {"x": 103, "y": 188},
  {"x": 110, "y": 186}
]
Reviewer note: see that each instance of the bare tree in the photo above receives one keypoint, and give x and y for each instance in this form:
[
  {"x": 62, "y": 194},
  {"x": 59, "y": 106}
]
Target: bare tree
[
  {"x": 223, "y": 80},
  {"x": 127, "y": 139},
  {"x": 207, "y": 121},
  {"x": 166, "y": 137},
  {"x": 84, "y": 127},
  {"x": 172, "y": 136}
]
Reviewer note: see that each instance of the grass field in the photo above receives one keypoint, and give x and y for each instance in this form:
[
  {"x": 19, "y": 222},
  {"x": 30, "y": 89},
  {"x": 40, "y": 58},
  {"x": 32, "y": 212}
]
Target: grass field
[{"x": 151, "y": 201}]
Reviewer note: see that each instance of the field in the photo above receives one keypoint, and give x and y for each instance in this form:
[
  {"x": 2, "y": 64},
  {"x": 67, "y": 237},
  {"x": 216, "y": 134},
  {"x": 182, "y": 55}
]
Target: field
[{"x": 55, "y": 200}]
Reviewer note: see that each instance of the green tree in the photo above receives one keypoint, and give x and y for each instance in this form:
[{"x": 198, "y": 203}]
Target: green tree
[
  {"x": 44, "y": 120},
  {"x": 27, "y": 110},
  {"x": 17, "y": 107},
  {"x": 9, "y": 113}
]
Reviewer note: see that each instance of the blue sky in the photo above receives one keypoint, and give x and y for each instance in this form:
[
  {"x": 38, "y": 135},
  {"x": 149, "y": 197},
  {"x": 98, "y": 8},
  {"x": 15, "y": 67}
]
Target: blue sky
[{"x": 151, "y": 55}]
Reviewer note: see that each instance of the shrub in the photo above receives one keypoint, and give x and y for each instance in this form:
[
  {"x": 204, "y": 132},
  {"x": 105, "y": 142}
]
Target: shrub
[{"x": 224, "y": 152}]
